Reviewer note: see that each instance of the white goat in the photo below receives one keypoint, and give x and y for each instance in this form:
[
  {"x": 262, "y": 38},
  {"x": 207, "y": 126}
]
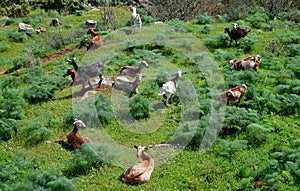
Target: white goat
[
  {"x": 86, "y": 72},
  {"x": 130, "y": 87},
  {"x": 135, "y": 19},
  {"x": 168, "y": 89},
  {"x": 142, "y": 171},
  {"x": 132, "y": 71}
]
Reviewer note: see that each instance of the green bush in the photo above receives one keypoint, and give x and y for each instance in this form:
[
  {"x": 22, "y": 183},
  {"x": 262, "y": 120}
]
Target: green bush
[
  {"x": 40, "y": 93},
  {"x": 82, "y": 162},
  {"x": 11, "y": 104},
  {"x": 139, "y": 107},
  {"x": 203, "y": 19},
  {"x": 147, "y": 19},
  {"x": 206, "y": 29},
  {"x": 7, "y": 128},
  {"x": 4, "y": 48},
  {"x": 219, "y": 41},
  {"x": 237, "y": 120},
  {"x": 258, "y": 19},
  {"x": 180, "y": 26},
  {"x": 16, "y": 36},
  {"x": 256, "y": 134},
  {"x": 104, "y": 109},
  {"x": 36, "y": 132},
  {"x": 248, "y": 44},
  {"x": 227, "y": 149}
]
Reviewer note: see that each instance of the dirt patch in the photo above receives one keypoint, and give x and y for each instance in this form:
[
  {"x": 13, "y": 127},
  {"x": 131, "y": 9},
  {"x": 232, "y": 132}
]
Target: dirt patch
[{"x": 58, "y": 55}]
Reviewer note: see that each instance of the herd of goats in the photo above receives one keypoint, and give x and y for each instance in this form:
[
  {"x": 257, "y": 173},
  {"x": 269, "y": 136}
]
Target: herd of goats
[{"x": 141, "y": 172}]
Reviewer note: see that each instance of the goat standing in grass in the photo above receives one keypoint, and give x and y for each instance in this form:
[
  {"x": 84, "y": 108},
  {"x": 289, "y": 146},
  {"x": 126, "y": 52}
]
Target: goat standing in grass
[
  {"x": 236, "y": 34},
  {"x": 73, "y": 139},
  {"x": 248, "y": 63},
  {"x": 135, "y": 20},
  {"x": 130, "y": 87},
  {"x": 86, "y": 72},
  {"x": 233, "y": 94},
  {"x": 140, "y": 172},
  {"x": 96, "y": 40},
  {"x": 132, "y": 71},
  {"x": 169, "y": 88},
  {"x": 75, "y": 78}
]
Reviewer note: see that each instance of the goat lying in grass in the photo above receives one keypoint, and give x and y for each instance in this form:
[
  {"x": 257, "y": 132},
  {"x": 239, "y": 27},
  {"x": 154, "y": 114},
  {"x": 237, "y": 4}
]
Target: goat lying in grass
[
  {"x": 135, "y": 20},
  {"x": 86, "y": 72},
  {"x": 75, "y": 78},
  {"x": 236, "y": 34},
  {"x": 132, "y": 71},
  {"x": 140, "y": 172},
  {"x": 248, "y": 63},
  {"x": 129, "y": 87},
  {"x": 169, "y": 88},
  {"x": 73, "y": 139},
  {"x": 96, "y": 40},
  {"x": 233, "y": 94}
]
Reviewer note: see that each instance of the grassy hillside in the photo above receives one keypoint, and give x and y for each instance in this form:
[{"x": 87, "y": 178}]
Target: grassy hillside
[{"x": 257, "y": 146}]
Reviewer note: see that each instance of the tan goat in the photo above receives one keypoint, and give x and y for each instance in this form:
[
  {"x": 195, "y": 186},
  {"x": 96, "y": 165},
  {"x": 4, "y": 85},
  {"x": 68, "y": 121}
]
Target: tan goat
[{"x": 142, "y": 171}]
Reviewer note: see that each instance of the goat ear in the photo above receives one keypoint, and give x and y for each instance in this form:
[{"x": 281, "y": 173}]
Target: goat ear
[{"x": 135, "y": 146}]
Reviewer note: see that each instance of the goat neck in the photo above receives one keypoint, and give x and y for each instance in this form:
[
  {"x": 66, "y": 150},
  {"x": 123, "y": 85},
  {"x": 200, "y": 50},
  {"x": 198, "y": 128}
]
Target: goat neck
[{"x": 72, "y": 61}]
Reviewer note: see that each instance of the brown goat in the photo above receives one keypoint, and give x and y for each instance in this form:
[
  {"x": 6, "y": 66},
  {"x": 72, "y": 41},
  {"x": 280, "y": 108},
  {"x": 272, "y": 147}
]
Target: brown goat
[
  {"x": 73, "y": 139},
  {"x": 140, "y": 172},
  {"x": 96, "y": 40},
  {"x": 233, "y": 94},
  {"x": 250, "y": 62},
  {"x": 75, "y": 78},
  {"x": 236, "y": 34}
]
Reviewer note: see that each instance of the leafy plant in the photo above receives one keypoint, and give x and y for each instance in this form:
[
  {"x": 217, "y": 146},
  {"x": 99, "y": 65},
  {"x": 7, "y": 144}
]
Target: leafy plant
[
  {"x": 203, "y": 19},
  {"x": 139, "y": 107},
  {"x": 40, "y": 93}
]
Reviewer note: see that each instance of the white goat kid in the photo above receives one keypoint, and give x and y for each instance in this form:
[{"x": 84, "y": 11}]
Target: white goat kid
[
  {"x": 130, "y": 87},
  {"x": 132, "y": 71},
  {"x": 169, "y": 88},
  {"x": 141, "y": 172},
  {"x": 135, "y": 19}
]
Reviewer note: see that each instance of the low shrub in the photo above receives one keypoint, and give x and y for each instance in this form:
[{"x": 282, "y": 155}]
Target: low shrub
[
  {"x": 4, "y": 48},
  {"x": 139, "y": 107},
  {"x": 82, "y": 162},
  {"x": 219, "y": 41},
  {"x": 36, "y": 132},
  {"x": 203, "y": 19},
  {"x": 180, "y": 26},
  {"x": 237, "y": 120},
  {"x": 39, "y": 93},
  {"x": 147, "y": 19},
  {"x": 8, "y": 127},
  {"x": 206, "y": 29},
  {"x": 227, "y": 149}
]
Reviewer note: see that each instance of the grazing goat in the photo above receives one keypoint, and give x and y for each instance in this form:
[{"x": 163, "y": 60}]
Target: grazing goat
[
  {"x": 73, "y": 139},
  {"x": 142, "y": 171},
  {"x": 169, "y": 88},
  {"x": 250, "y": 62},
  {"x": 236, "y": 34},
  {"x": 85, "y": 72},
  {"x": 75, "y": 78},
  {"x": 132, "y": 71},
  {"x": 40, "y": 30},
  {"x": 233, "y": 94},
  {"x": 129, "y": 87},
  {"x": 236, "y": 26},
  {"x": 135, "y": 19},
  {"x": 96, "y": 40},
  {"x": 55, "y": 22}
]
